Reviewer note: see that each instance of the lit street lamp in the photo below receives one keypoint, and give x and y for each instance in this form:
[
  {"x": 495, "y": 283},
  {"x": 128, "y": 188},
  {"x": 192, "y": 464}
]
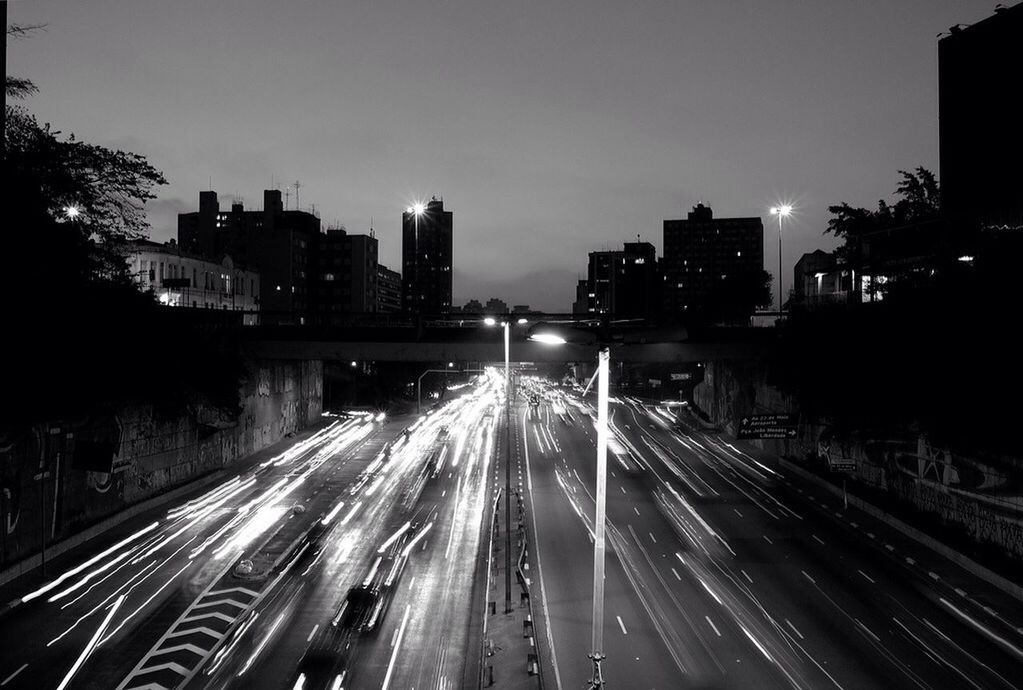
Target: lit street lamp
[
  {"x": 597, "y": 629},
  {"x": 417, "y": 209},
  {"x": 491, "y": 321},
  {"x": 782, "y": 212}
]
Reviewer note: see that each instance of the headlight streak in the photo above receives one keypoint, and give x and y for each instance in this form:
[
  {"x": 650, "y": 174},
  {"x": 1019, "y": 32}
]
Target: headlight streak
[
  {"x": 333, "y": 513},
  {"x": 146, "y": 602},
  {"x": 225, "y": 651},
  {"x": 92, "y": 644},
  {"x": 98, "y": 557},
  {"x": 391, "y": 539},
  {"x": 262, "y": 644}
]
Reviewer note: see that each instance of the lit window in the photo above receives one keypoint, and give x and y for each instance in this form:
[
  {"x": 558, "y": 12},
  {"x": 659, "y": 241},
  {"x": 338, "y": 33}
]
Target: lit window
[{"x": 640, "y": 261}]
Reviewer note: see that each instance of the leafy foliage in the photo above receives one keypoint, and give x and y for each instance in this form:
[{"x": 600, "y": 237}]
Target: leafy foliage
[{"x": 918, "y": 193}]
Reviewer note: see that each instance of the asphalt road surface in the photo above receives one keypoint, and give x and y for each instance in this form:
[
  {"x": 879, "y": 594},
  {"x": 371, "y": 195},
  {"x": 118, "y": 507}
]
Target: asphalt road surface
[
  {"x": 722, "y": 571},
  {"x": 231, "y": 587}
]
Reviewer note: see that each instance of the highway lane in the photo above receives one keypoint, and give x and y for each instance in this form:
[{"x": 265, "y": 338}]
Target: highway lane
[
  {"x": 165, "y": 564},
  {"x": 436, "y": 483},
  {"x": 790, "y": 593}
]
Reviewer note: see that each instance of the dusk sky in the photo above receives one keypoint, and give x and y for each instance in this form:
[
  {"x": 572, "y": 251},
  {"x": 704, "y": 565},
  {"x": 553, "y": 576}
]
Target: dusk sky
[{"x": 550, "y": 129}]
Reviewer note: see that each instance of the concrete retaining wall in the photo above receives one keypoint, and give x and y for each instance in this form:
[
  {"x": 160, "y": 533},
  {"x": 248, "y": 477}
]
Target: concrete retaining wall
[
  {"x": 66, "y": 477},
  {"x": 983, "y": 495}
]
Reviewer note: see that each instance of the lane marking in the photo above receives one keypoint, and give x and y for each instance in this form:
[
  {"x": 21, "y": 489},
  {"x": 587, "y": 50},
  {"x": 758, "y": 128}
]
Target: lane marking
[
  {"x": 714, "y": 627},
  {"x": 768, "y": 539},
  {"x": 397, "y": 646},
  {"x": 677, "y": 576},
  {"x": 750, "y": 579},
  {"x": 652, "y": 538},
  {"x": 869, "y": 631},
  {"x": 312, "y": 632},
  {"x": 636, "y": 509},
  {"x": 11, "y": 677},
  {"x": 794, "y": 629},
  {"x": 620, "y": 623},
  {"x": 868, "y": 578},
  {"x": 818, "y": 539},
  {"x": 808, "y": 577}
]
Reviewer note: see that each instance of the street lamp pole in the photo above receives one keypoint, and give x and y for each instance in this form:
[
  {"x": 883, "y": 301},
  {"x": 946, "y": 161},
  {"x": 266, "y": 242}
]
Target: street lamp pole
[
  {"x": 597, "y": 655},
  {"x": 782, "y": 212},
  {"x": 507, "y": 467}
]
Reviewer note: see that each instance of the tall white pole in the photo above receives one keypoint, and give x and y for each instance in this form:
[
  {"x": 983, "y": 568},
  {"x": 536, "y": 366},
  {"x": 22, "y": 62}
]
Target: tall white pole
[
  {"x": 507, "y": 468},
  {"x": 597, "y": 681}
]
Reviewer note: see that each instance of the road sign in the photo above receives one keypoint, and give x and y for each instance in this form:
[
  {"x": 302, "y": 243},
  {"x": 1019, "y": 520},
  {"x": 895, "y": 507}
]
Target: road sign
[
  {"x": 655, "y": 382},
  {"x": 768, "y": 426},
  {"x": 841, "y": 465},
  {"x": 684, "y": 376}
]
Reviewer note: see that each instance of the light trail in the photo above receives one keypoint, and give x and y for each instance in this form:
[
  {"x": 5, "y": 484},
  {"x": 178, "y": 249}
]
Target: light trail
[{"x": 92, "y": 644}]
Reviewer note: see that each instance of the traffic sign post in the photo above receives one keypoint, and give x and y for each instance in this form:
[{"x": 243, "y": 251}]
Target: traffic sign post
[{"x": 767, "y": 426}]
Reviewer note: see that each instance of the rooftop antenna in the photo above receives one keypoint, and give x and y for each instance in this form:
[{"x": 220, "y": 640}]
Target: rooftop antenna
[
  {"x": 287, "y": 197},
  {"x": 371, "y": 233},
  {"x": 298, "y": 205}
]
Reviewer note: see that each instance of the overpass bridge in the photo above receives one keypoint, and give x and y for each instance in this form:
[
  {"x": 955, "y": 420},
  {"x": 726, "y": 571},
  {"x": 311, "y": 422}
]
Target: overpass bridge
[{"x": 477, "y": 343}]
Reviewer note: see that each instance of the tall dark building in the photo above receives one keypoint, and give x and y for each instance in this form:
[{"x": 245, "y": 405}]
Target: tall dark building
[
  {"x": 277, "y": 243},
  {"x": 346, "y": 273},
  {"x": 426, "y": 253},
  {"x": 623, "y": 283},
  {"x": 980, "y": 138},
  {"x": 702, "y": 254}
]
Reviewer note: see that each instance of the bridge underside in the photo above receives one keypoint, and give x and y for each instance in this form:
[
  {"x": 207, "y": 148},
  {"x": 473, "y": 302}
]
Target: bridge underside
[{"x": 521, "y": 351}]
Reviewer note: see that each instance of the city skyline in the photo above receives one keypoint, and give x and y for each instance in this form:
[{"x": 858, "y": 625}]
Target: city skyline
[{"x": 577, "y": 129}]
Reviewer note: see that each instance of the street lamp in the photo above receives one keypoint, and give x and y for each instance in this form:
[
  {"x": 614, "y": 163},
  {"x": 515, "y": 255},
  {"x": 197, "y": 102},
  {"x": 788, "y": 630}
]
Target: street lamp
[
  {"x": 416, "y": 209},
  {"x": 597, "y": 628},
  {"x": 491, "y": 321},
  {"x": 782, "y": 212}
]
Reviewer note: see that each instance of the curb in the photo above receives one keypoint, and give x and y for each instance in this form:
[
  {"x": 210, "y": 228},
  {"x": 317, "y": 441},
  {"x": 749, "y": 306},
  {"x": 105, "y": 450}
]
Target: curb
[{"x": 968, "y": 564}]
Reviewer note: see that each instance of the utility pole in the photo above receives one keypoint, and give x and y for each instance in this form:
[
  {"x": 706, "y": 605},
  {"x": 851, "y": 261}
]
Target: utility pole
[{"x": 597, "y": 637}]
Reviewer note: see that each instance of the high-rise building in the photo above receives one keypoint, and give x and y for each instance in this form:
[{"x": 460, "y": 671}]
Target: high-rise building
[
  {"x": 623, "y": 283},
  {"x": 705, "y": 256},
  {"x": 980, "y": 141},
  {"x": 581, "y": 305},
  {"x": 279, "y": 244},
  {"x": 426, "y": 250},
  {"x": 346, "y": 273},
  {"x": 388, "y": 290}
]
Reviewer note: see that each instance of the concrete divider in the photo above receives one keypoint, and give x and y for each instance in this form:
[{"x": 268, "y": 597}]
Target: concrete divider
[{"x": 992, "y": 578}]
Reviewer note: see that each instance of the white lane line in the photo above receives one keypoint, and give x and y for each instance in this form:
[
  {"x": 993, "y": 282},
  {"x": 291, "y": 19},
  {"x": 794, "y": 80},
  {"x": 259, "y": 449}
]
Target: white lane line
[
  {"x": 714, "y": 627},
  {"x": 750, "y": 579},
  {"x": 11, "y": 677},
  {"x": 623, "y": 490},
  {"x": 92, "y": 644},
  {"x": 933, "y": 575},
  {"x": 960, "y": 592},
  {"x": 889, "y": 547},
  {"x": 677, "y": 576},
  {"x": 910, "y": 561},
  {"x": 652, "y": 538},
  {"x": 869, "y": 631},
  {"x": 624, "y": 631},
  {"x": 636, "y": 509},
  {"x": 808, "y": 577},
  {"x": 868, "y": 578},
  {"x": 539, "y": 560},
  {"x": 768, "y": 539},
  {"x": 312, "y": 632},
  {"x": 397, "y": 646},
  {"x": 794, "y": 629},
  {"x": 818, "y": 539},
  {"x": 737, "y": 512}
]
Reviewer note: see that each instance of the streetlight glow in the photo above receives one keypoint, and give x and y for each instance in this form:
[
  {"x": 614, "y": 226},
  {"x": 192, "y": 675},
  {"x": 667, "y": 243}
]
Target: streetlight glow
[
  {"x": 522, "y": 322},
  {"x": 418, "y": 208},
  {"x": 548, "y": 339},
  {"x": 72, "y": 212},
  {"x": 490, "y": 321}
]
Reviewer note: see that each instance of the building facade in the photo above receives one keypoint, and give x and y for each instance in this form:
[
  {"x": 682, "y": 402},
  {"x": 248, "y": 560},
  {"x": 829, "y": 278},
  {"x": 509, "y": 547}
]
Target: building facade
[
  {"x": 622, "y": 283},
  {"x": 704, "y": 255},
  {"x": 980, "y": 141},
  {"x": 426, "y": 250},
  {"x": 181, "y": 279},
  {"x": 388, "y": 290},
  {"x": 279, "y": 243},
  {"x": 346, "y": 274}
]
